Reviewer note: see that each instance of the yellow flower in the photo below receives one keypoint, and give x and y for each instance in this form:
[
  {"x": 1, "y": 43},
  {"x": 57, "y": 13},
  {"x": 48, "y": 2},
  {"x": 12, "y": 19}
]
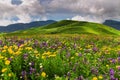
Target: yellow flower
[
  {"x": 10, "y": 50},
  {"x": 117, "y": 67},
  {"x": 107, "y": 65},
  {"x": 95, "y": 78},
  {"x": 100, "y": 77},
  {"x": 72, "y": 57},
  {"x": 1, "y": 57},
  {"x": 43, "y": 74},
  {"x": 4, "y": 51},
  {"x": 16, "y": 47},
  {"x": 7, "y": 62},
  {"x": 35, "y": 51},
  {"x": 29, "y": 48},
  {"x": 17, "y": 53},
  {"x": 46, "y": 53},
  {"x": 80, "y": 48},
  {"x": 43, "y": 57},
  {"x": 3, "y": 70},
  {"x": 10, "y": 74},
  {"x": 76, "y": 54},
  {"x": 5, "y": 47},
  {"x": 52, "y": 55}
]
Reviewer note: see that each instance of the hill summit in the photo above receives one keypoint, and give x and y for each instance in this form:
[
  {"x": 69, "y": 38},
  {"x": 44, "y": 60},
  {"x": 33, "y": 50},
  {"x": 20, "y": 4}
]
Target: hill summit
[{"x": 72, "y": 27}]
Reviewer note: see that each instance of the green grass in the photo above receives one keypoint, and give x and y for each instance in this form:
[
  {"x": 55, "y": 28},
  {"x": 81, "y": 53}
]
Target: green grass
[
  {"x": 70, "y": 27},
  {"x": 60, "y": 57}
]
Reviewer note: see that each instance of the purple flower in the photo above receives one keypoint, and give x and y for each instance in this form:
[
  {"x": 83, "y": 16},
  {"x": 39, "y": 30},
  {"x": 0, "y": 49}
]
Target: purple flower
[
  {"x": 112, "y": 77},
  {"x": 111, "y": 72},
  {"x": 94, "y": 71},
  {"x": 23, "y": 73},
  {"x": 118, "y": 68},
  {"x": 95, "y": 49},
  {"x": 68, "y": 74},
  {"x": 68, "y": 55},
  {"x": 118, "y": 59},
  {"x": 25, "y": 56},
  {"x": 113, "y": 61},
  {"x": 32, "y": 70},
  {"x": 1, "y": 42},
  {"x": 80, "y": 54},
  {"x": 18, "y": 44},
  {"x": 80, "y": 78},
  {"x": 31, "y": 63},
  {"x": 10, "y": 59},
  {"x": 74, "y": 46}
]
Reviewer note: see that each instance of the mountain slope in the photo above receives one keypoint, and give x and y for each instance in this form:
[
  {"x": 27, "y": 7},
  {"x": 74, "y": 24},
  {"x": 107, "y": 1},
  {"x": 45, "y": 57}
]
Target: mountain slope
[
  {"x": 22, "y": 26},
  {"x": 71, "y": 27},
  {"x": 112, "y": 23}
]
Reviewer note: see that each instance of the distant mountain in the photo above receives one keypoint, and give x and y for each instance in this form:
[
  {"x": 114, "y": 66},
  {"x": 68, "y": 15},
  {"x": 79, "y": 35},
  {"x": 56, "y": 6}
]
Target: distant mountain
[
  {"x": 113, "y": 23},
  {"x": 70, "y": 27},
  {"x": 23, "y": 26}
]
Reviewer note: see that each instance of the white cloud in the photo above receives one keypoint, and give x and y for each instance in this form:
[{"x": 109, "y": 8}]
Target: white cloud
[
  {"x": 86, "y": 18},
  {"x": 24, "y": 11}
]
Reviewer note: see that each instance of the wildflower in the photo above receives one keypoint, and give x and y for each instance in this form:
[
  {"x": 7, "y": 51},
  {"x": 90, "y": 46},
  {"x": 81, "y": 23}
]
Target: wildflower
[
  {"x": 95, "y": 78},
  {"x": 111, "y": 72},
  {"x": 118, "y": 67},
  {"x": 35, "y": 51},
  {"x": 1, "y": 42},
  {"x": 118, "y": 59},
  {"x": 43, "y": 57},
  {"x": 4, "y": 70},
  {"x": 25, "y": 56},
  {"x": 57, "y": 77},
  {"x": 5, "y": 47},
  {"x": 28, "y": 48},
  {"x": 32, "y": 70},
  {"x": 107, "y": 65},
  {"x": 100, "y": 77},
  {"x": 23, "y": 73},
  {"x": 31, "y": 63},
  {"x": 43, "y": 74},
  {"x": 10, "y": 59},
  {"x": 7, "y": 62},
  {"x": 80, "y": 78},
  {"x": 10, "y": 74},
  {"x": 4, "y": 51},
  {"x": 68, "y": 74},
  {"x": 52, "y": 55},
  {"x": 76, "y": 54},
  {"x": 10, "y": 51},
  {"x": 95, "y": 49},
  {"x": 72, "y": 57},
  {"x": 1, "y": 57},
  {"x": 68, "y": 55}
]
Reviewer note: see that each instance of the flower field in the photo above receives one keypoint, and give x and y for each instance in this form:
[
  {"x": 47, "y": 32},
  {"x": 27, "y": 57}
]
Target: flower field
[{"x": 60, "y": 57}]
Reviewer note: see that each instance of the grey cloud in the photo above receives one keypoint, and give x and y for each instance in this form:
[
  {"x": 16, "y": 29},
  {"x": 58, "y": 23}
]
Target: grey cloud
[
  {"x": 97, "y": 8},
  {"x": 27, "y": 10}
]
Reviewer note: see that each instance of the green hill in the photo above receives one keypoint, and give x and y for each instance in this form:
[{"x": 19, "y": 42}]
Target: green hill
[{"x": 70, "y": 27}]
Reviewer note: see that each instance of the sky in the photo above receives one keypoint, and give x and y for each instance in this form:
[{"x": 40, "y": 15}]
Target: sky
[{"x": 25, "y": 11}]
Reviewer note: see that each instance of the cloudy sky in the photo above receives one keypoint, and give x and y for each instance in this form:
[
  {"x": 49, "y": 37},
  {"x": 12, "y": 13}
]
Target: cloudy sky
[{"x": 24, "y": 11}]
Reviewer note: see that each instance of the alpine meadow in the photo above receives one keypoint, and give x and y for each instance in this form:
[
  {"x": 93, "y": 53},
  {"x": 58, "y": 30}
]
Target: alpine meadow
[{"x": 59, "y": 40}]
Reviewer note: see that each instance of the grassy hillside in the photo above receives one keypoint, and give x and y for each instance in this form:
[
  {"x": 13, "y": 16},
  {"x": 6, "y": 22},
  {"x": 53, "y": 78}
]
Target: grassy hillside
[{"x": 70, "y": 27}]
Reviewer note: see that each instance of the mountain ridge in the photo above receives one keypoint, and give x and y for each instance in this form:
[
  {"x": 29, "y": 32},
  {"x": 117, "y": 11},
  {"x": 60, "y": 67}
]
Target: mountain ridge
[
  {"x": 113, "y": 23},
  {"x": 71, "y": 27},
  {"x": 23, "y": 26}
]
